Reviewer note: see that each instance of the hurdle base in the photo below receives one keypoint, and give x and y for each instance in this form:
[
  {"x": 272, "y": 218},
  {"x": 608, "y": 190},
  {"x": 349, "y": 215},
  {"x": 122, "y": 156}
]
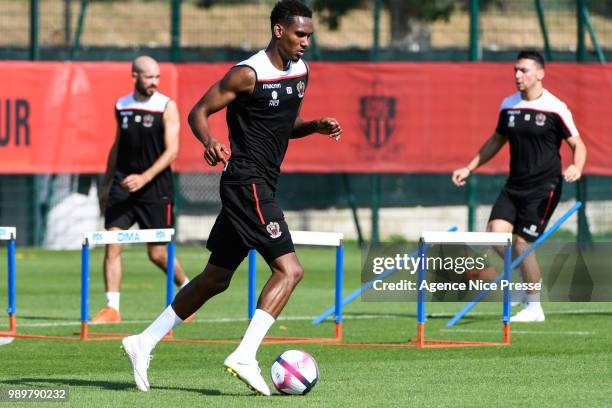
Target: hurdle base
[
  {"x": 421, "y": 342},
  {"x": 414, "y": 343}
]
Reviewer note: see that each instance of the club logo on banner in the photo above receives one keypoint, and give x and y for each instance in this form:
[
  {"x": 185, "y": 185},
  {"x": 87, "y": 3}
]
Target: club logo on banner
[{"x": 377, "y": 118}]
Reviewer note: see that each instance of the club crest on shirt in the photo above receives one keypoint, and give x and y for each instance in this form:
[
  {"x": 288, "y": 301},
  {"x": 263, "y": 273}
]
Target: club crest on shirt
[
  {"x": 301, "y": 87},
  {"x": 274, "y": 230},
  {"x": 540, "y": 119},
  {"x": 147, "y": 120},
  {"x": 274, "y": 101},
  {"x": 511, "y": 121}
]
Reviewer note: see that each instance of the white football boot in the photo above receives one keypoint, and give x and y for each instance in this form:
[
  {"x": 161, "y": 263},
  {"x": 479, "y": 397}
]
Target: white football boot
[
  {"x": 247, "y": 372},
  {"x": 140, "y": 359},
  {"x": 528, "y": 315}
]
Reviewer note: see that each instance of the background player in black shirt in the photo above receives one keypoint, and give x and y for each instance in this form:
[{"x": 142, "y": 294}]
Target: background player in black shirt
[
  {"x": 534, "y": 122},
  {"x": 263, "y": 97},
  {"x": 137, "y": 186}
]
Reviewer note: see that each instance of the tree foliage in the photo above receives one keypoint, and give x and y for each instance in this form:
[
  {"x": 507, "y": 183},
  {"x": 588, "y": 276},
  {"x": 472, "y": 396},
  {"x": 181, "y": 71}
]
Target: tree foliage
[{"x": 410, "y": 20}]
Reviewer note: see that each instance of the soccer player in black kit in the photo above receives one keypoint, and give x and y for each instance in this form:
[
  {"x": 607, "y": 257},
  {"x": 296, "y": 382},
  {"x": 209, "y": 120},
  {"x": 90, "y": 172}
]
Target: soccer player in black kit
[
  {"x": 534, "y": 122},
  {"x": 137, "y": 186},
  {"x": 263, "y": 96}
]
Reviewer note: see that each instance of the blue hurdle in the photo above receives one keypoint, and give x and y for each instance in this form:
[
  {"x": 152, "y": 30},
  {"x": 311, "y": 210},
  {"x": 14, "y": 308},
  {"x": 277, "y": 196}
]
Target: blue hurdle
[
  {"x": 329, "y": 239},
  {"x": 9, "y": 234},
  {"x": 366, "y": 286},
  {"x": 476, "y": 238},
  {"x": 122, "y": 237},
  {"x": 516, "y": 262}
]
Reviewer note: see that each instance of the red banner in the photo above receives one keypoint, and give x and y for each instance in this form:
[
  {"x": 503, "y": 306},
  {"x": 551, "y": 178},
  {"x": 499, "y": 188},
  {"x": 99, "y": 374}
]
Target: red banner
[{"x": 57, "y": 117}]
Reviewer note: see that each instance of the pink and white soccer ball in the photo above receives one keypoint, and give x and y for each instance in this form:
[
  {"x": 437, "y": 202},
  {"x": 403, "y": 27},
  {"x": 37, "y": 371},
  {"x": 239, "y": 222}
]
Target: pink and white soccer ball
[{"x": 295, "y": 372}]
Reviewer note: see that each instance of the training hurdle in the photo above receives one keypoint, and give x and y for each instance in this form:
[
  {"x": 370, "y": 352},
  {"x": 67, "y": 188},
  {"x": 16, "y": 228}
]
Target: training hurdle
[
  {"x": 427, "y": 239},
  {"x": 96, "y": 237},
  {"x": 163, "y": 235},
  {"x": 9, "y": 234},
  {"x": 517, "y": 262},
  {"x": 364, "y": 288},
  {"x": 166, "y": 235},
  {"x": 326, "y": 239}
]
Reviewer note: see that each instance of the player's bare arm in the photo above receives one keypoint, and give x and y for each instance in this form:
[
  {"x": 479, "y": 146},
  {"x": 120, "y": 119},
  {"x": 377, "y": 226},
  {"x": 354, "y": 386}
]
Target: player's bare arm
[
  {"x": 111, "y": 165},
  {"x": 239, "y": 80},
  {"x": 486, "y": 153},
  {"x": 325, "y": 126},
  {"x": 574, "y": 170}
]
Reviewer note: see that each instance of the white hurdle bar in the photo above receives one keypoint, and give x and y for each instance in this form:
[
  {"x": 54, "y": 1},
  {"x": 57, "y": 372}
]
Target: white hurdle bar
[
  {"x": 327, "y": 239},
  {"x": 466, "y": 238},
  {"x": 9, "y": 234},
  {"x": 123, "y": 237}
]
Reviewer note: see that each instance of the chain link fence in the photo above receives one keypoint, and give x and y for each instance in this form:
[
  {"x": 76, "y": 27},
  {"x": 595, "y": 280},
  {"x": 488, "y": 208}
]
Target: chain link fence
[{"x": 244, "y": 24}]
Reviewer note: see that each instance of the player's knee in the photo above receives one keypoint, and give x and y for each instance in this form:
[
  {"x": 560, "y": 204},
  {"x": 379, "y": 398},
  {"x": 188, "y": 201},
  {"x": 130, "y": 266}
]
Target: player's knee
[
  {"x": 521, "y": 244},
  {"x": 112, "y": 252},
  {"x": 215, "y": 284},
  {"x": 221, "y": 285},
  {"x": 295, "y": 273},
  {"x": 157, "y": 255}
]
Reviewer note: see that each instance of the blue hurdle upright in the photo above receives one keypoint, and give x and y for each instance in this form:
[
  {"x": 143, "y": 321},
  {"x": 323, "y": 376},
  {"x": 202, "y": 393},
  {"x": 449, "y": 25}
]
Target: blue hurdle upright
[
  {"x": 516, "y": 263},
  {"x": 9, "y": 234}
]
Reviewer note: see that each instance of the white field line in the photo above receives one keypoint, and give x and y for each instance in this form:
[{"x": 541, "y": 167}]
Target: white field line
[{"x": 347, "y": 316}]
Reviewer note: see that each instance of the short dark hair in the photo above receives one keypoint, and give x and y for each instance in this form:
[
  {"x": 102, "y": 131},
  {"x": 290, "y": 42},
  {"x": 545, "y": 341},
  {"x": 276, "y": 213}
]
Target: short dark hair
[
  {"x": 532, "y": 55},
  {"x": 285, "y": 10}
]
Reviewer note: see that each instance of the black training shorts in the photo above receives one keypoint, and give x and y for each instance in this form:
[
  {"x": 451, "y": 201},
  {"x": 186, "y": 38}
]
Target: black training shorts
[
  {"x": 528, "y": 210},
  {"x": 124, "y": 211},
  {"x": 250, "y": 218}
]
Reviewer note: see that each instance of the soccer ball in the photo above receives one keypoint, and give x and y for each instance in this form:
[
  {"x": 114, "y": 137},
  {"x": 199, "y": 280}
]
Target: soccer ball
[{"x": 295, "y": 372}]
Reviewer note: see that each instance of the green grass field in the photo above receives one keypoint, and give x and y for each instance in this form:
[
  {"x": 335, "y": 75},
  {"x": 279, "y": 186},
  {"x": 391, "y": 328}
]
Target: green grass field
[{"x": 565, "y": 361}]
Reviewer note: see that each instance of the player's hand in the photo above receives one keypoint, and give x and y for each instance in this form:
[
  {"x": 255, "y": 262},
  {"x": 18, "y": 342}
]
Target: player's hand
[
  {"x": 460, "y": 176},
  {"x": 216, "y": 152},
  {"x": 572, "y": 174},
  {"x": 134, "y": 182},
  {"x": 329, "y": 126}
]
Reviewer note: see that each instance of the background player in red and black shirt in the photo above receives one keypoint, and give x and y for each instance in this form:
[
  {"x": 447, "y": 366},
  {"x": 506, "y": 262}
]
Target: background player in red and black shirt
[
  {"x": 137, "y": 186},
  {"x": 535, "y": 123},
  {"x": 263, "y": 96}
]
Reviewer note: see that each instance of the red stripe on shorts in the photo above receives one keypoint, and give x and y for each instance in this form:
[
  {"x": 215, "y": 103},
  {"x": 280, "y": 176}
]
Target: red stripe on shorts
[
  {"x": 169, "y": 214},
  {"x": 550, "y": 197},
  {"x": 257, "y": 204}
]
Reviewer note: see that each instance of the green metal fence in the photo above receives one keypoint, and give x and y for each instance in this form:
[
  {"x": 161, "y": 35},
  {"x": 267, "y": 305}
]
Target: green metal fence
[{"x": 182, "y": 29}]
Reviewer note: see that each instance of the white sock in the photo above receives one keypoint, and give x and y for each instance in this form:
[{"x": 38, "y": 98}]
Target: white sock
[
  {"x": 112, "y": 300},
  {"x": 254, "y": 335},
  {"x": 167, "y": 320},
  {"x": 533, "y": 300},
  {"x": 185, "y": 282}
]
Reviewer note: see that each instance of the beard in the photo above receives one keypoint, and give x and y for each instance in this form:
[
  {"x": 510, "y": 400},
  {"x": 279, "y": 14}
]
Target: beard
[{"x": 141, "y": 89}]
